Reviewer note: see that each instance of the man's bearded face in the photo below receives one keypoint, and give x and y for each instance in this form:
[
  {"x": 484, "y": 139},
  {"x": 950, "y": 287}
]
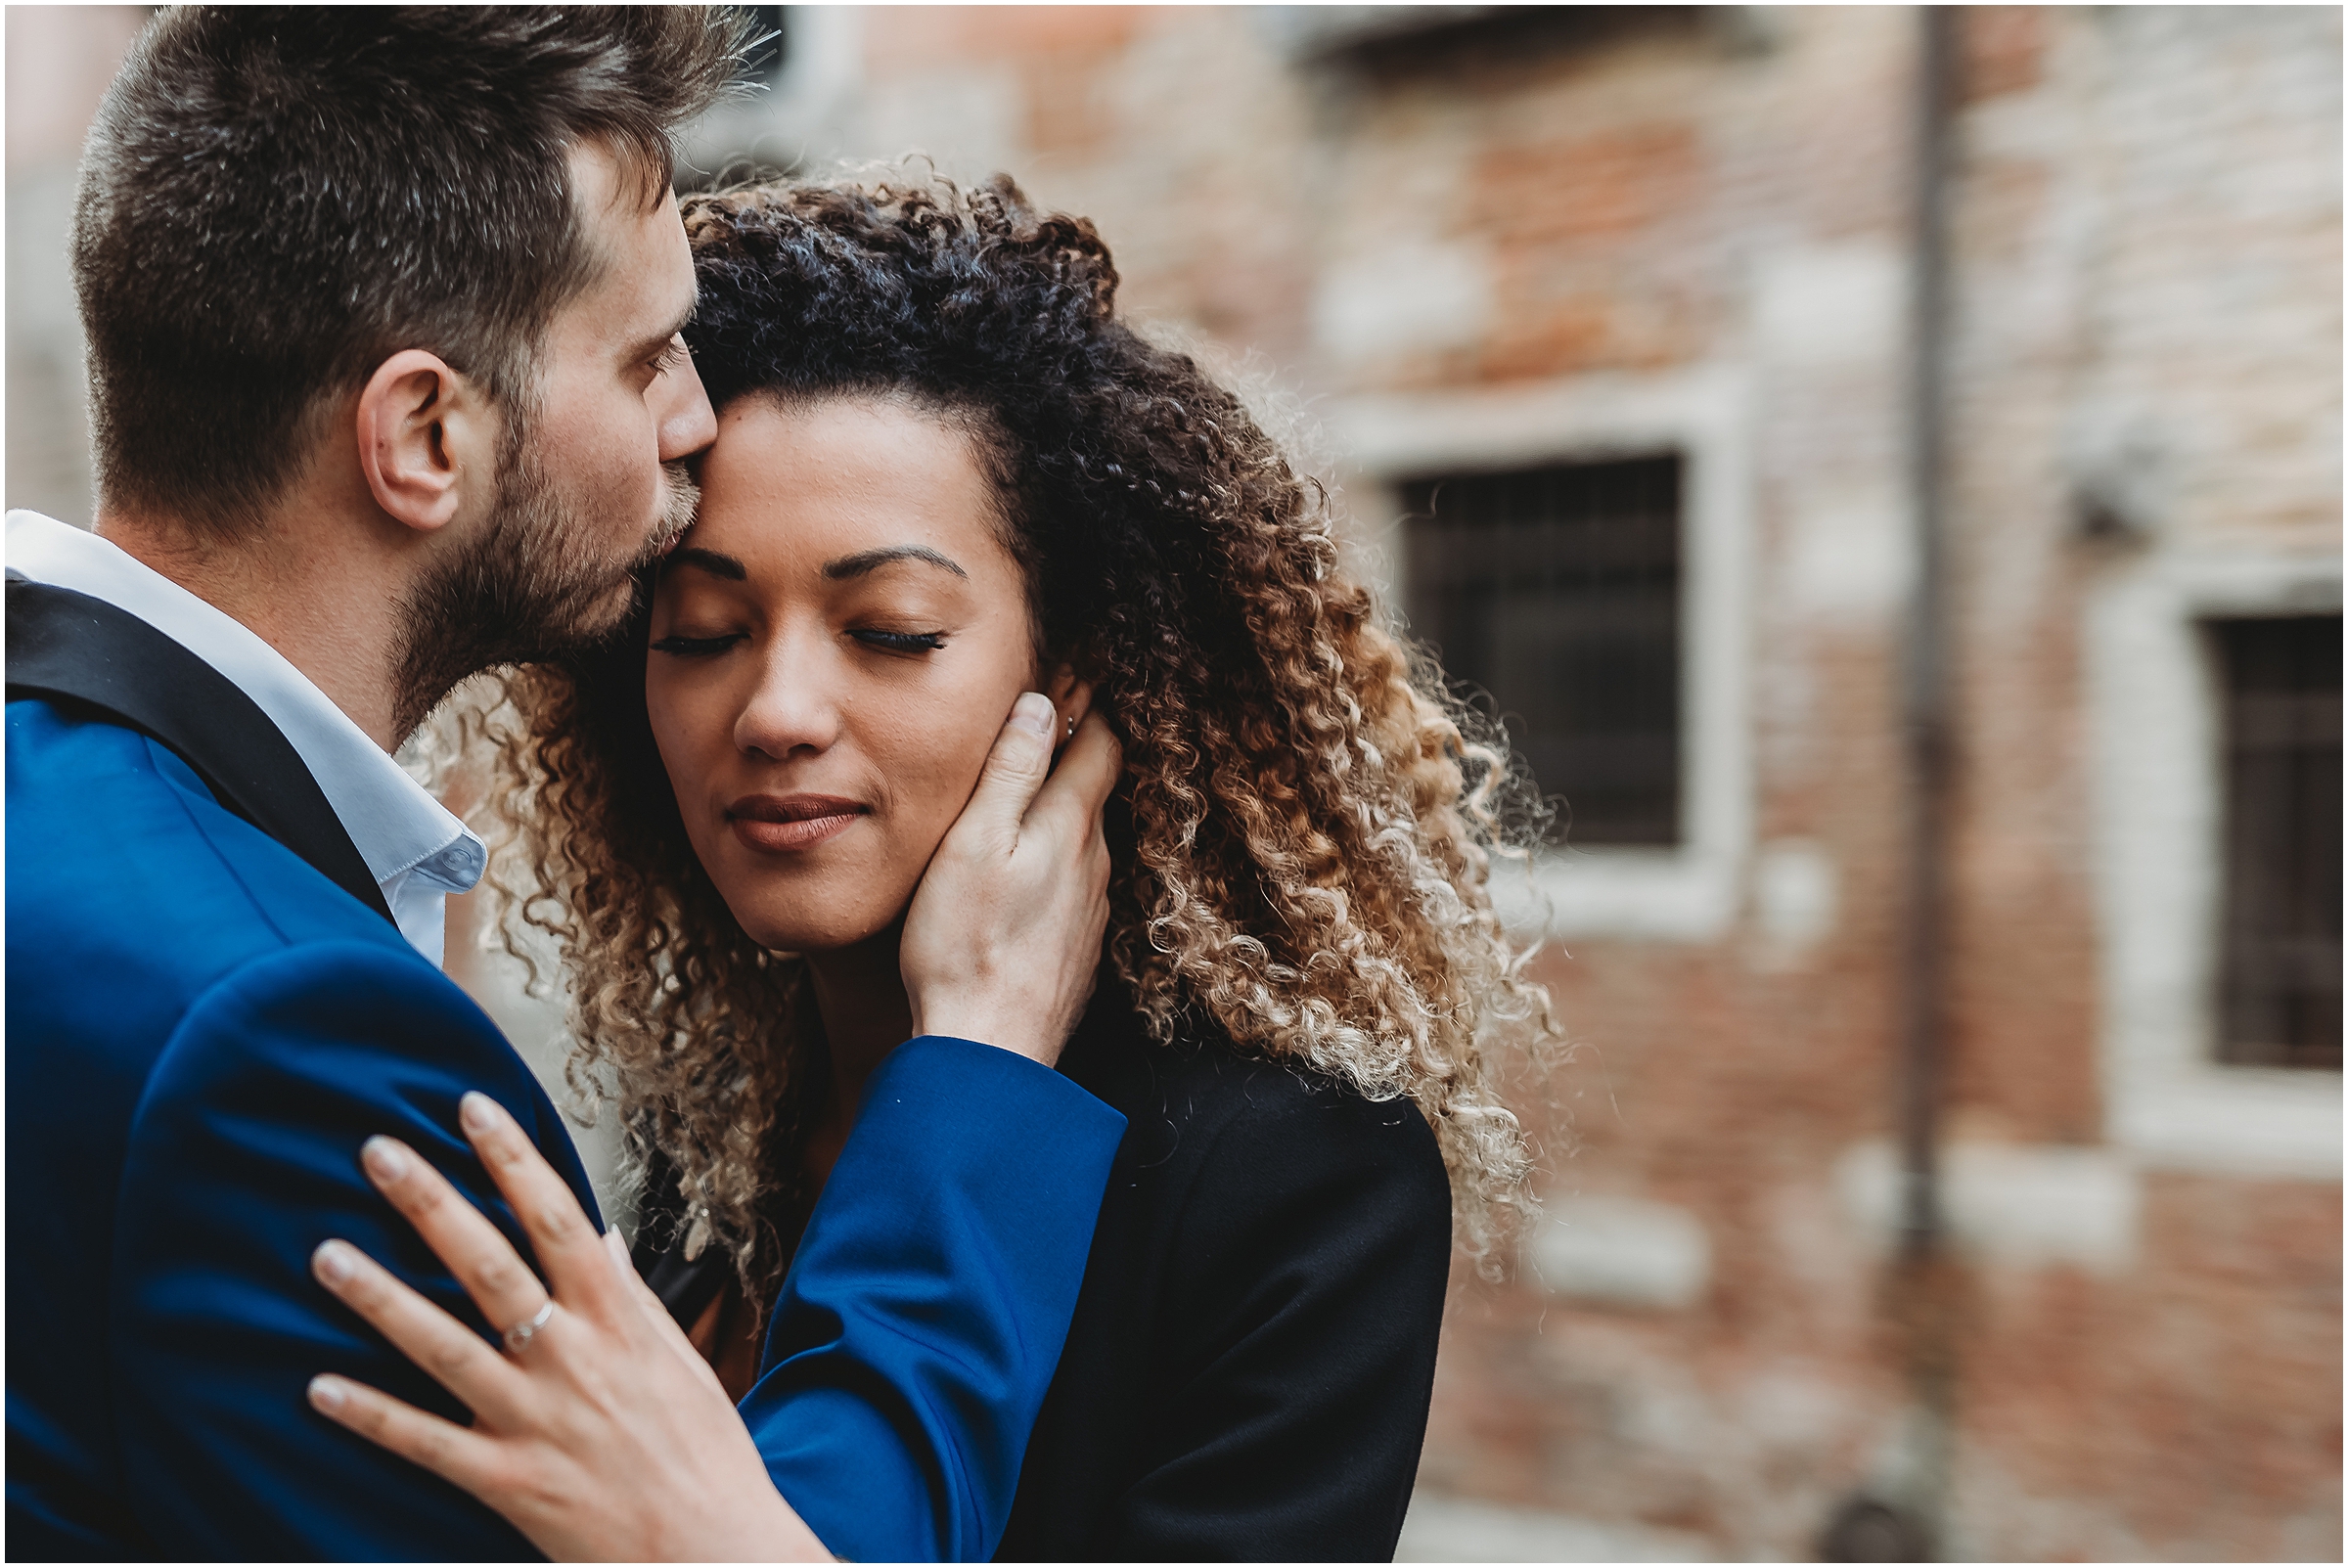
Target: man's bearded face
[{"x": 524, "y": 589}]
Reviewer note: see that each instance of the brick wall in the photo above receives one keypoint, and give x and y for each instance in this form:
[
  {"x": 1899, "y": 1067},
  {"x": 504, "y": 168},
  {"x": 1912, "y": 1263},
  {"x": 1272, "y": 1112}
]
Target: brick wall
[
  {"x": 2148, "y": 251},
  {"x": 2146, "y": 303}
]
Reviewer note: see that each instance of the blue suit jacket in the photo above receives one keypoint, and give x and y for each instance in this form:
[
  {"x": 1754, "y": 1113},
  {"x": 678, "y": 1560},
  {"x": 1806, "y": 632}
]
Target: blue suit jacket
[{"x": 202, "y": 1030}]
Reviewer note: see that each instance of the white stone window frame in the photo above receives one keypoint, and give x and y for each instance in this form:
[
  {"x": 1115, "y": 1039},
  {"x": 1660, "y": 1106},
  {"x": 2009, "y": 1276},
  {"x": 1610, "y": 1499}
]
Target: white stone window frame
[
  {"x": 2157, "y": 705},
  {"x": 1690, "y": 892}
]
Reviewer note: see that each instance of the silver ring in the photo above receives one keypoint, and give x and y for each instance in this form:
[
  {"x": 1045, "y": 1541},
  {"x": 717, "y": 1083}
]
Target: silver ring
[{"x": 521, "y": 1333}]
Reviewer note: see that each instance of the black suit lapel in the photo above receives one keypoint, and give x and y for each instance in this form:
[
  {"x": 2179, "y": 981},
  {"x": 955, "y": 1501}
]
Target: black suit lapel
[{"x": 101, "y": 663}]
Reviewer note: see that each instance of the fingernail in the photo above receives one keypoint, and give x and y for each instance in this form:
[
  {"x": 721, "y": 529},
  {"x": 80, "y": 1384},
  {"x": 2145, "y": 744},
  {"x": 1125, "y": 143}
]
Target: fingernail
[
  {"x": 332, "y": 1262},
  {"x": 384, "y": 1158},
  {"x": 385, "y": 1161},
  {"x": 1033, "y": 712},
  {"x": 327, "y": 1392},
  {"x": 476, "y": 1111}
]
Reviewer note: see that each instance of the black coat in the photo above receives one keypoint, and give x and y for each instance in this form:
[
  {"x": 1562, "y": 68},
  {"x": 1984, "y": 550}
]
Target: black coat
[{"x": 1248, "y": 1371}]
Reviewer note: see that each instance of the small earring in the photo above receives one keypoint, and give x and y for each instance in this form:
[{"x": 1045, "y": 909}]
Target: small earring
[{"x": 1071, "y": 726}]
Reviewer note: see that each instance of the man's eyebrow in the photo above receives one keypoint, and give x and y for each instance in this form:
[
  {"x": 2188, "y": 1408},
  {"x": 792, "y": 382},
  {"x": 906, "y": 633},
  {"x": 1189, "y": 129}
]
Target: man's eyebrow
[
  {"x": 710, "y": 561},
  {"x": 864, "y": 560},
  {"x": 655, "y": 342}
]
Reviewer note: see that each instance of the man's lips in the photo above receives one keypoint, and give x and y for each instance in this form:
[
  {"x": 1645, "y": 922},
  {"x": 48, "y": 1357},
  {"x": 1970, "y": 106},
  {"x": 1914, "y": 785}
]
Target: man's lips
[{"x": 790, "y": 821}]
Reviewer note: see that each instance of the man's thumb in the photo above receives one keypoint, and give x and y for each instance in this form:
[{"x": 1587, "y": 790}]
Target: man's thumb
[{"x": 1016, "y": 768}]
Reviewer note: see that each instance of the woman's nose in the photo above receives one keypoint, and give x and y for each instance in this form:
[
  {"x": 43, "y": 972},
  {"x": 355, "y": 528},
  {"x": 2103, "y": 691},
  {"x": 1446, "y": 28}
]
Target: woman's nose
[{"x": 792, "y": 711}]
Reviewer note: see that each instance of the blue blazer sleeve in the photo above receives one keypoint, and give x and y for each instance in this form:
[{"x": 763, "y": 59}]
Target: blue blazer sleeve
[
  {"x": 242, "y": 1157},
  {"x": 924, "y": 1313},
  {"x": 916, "y": 1336}
]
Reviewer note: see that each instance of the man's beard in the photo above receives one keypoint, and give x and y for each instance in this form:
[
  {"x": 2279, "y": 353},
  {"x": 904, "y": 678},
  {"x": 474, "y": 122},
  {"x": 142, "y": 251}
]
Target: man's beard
[{"x": 522, "y": 591}]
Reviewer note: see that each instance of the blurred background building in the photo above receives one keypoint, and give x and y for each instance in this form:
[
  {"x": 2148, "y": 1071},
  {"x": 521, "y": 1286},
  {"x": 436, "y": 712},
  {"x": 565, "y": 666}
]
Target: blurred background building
[{"x": 1886, "y": 466}]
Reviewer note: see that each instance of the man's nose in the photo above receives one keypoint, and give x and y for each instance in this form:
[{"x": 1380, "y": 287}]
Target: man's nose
[{"x": 687, "y": 424}]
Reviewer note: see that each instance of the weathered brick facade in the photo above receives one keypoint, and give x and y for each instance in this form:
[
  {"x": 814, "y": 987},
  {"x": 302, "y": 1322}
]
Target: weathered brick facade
[{"x": 2145, "y": 273}]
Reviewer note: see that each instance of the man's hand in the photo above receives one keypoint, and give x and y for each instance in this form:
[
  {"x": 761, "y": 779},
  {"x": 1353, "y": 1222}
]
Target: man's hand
[{"x": 1004, "y": 936}]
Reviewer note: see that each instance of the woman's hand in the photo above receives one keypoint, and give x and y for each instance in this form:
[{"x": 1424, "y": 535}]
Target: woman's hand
[{"x": 599, "y": 1432}]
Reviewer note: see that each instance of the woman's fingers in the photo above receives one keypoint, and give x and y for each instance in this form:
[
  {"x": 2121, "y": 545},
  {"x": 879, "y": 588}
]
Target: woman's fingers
[
  {"x": 569, "y": 1247},
  {"x": 656, "y": 1312},
  {"x": 647, "y": 1299},
  {"x": 483, "y": 1261},
  {"x": 616, "y": 1441},
  {"x": 447, "y": 1450},
  {"x": 449, "y": 1350}
]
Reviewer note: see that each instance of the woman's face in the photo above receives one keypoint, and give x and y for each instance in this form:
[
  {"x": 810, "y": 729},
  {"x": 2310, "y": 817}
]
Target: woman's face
[{"x": 835, "y": 647}]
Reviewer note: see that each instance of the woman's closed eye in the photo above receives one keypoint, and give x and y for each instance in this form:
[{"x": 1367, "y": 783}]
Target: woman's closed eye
[
  {"x": 682, "y": 647},
  {"x": 899, "y": 642}
]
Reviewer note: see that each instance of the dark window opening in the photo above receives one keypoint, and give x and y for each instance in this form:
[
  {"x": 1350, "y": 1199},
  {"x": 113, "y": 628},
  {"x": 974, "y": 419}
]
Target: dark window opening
[
  {"x": 2279, "y": 986},
  {"x": 762, "y": 73},
  {"x": 771, "y": 29},
  {"x": 1395, "y": 44},
  {"x": 1557, "y": 590}
]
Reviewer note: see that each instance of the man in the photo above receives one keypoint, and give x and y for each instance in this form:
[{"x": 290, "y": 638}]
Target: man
[{"x": 383, "y": 310}]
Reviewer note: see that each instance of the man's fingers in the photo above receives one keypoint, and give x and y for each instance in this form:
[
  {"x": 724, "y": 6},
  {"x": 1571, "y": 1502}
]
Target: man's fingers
[
  {"x": 1005, "y": 929},
  {"x": 483, "y": 1261},
  {"x": 447, "y": 1450},
  {"x": 1014, "y": 770},
  {"x": 569, "y": 1248},
  {"x": 1072, "y": 798},
  {"x": 450, "y": 1351}
]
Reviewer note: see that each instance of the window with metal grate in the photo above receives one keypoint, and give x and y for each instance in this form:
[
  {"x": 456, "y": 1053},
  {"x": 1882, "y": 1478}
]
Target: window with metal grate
[
  {"x": 2280, "y": 987},
  {"x": 1556, "y": 590}
]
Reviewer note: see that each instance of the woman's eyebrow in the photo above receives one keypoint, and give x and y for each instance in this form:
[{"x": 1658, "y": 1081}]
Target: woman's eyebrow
[
  {"x": 864, "y": 560},
  {"x": 710, "y": 561}
]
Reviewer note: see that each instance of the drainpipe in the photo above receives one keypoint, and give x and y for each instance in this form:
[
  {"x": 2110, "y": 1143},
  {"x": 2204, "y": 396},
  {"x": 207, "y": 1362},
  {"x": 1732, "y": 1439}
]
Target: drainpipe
[
  {"x": 1926, "y": 705},
  {"x": 1921, "y": 1289},
  {"x": 1899, "y": 1514}
]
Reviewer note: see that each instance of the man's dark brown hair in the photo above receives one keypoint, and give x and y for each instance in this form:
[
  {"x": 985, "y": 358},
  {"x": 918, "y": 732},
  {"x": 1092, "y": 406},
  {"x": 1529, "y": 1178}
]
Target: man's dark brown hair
[{"x": 275, "y": 200}]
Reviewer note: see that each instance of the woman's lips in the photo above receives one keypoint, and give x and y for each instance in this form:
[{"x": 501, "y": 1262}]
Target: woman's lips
[{"x": 777, "y": 822}]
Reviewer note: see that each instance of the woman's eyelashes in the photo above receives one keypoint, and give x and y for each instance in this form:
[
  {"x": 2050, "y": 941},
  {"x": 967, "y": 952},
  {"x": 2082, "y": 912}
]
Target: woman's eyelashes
[
  {"x": 696, "y": 647},
  {"x": 900, "y": 642},
  {"x": 679, "y": 646}
]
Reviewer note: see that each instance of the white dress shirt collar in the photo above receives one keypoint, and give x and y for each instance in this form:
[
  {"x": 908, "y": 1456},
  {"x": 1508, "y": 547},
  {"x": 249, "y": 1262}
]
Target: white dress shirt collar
[{"x": 415, "y": 848}]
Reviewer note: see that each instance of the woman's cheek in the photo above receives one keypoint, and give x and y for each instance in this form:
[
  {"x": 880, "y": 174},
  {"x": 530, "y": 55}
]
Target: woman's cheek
[
  {"x": 941, "y": 768},
  {"x": 692, "y": 743}
]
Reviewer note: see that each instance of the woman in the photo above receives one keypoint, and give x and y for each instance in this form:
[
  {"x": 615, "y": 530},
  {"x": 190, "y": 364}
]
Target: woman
[{"x": 945, "y": 472}]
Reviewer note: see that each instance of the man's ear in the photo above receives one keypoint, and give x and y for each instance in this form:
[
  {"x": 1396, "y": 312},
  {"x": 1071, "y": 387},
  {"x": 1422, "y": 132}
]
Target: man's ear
[{"x": 428, "y": 439}]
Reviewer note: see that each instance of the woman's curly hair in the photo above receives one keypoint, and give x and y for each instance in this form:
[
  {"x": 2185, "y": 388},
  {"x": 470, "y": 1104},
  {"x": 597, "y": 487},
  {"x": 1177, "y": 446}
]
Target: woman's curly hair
[{"x": 1302, "y": 837}]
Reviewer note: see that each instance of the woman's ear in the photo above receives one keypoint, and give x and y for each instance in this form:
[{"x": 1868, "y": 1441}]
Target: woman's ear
[
  {"x": 1071, "y": 698},
  {"x": 427, "y": 439}
]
